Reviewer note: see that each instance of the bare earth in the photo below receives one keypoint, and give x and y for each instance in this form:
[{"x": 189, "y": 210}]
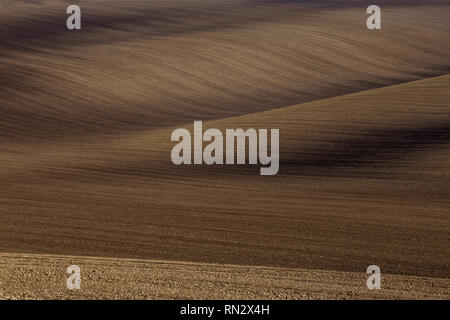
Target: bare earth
[
  {"x": 43, "y": 277},
  {"x": 86, "y": 175}
]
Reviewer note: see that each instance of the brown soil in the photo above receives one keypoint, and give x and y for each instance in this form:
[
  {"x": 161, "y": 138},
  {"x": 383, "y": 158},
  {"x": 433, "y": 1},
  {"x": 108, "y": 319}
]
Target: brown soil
[{"x": 85, "y": 165}]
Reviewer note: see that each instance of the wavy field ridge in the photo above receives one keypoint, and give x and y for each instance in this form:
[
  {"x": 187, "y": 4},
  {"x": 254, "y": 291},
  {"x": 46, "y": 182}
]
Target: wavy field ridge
[{"x": 364, "y": 121}]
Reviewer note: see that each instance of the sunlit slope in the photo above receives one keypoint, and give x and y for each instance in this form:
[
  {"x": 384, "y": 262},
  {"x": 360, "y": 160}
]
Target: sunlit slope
[
  {"x": 363, "y": 180},
  {"x": 138, "y": 65}
]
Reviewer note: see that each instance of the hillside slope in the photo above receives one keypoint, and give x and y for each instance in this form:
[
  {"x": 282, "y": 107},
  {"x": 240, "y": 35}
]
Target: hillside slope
[{"x": 363, "y": 178}]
